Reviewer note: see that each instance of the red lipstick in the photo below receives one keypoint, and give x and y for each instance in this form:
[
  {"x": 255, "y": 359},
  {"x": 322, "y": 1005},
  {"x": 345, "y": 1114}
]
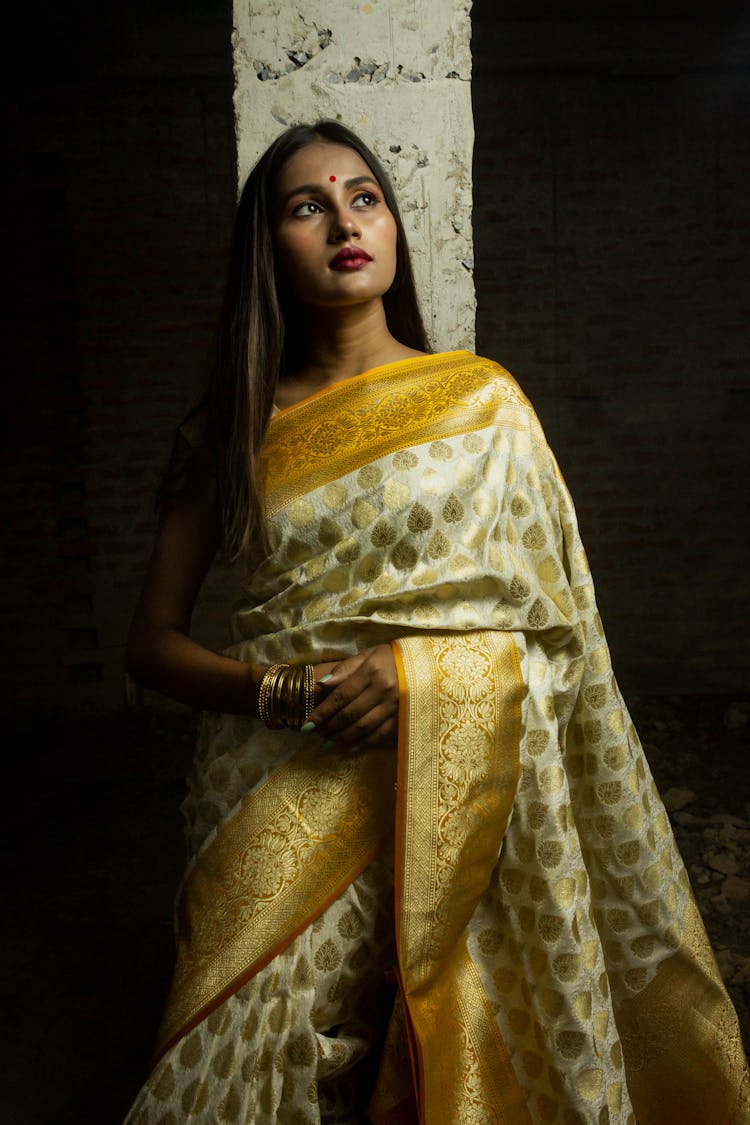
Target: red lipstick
[{"x": 349, "y": 258}]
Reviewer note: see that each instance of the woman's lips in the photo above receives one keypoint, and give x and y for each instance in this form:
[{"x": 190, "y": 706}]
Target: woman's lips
[{"x": 349, "y": 258}]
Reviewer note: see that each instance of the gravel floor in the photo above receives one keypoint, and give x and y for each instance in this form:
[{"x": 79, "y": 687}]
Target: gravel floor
[{"x": 94, "y": 854}]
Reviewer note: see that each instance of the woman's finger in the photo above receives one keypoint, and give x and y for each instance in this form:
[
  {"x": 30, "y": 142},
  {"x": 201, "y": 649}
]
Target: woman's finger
[
  {"x": 339, "y": 699},
  {"x": 350, "y": 730},
  {"x": 337, "y": 671},
  {"x": 348, "y": 706},
  {"x": 371, "y": 679},
  {"x": 328, "y": 673},
  {"x": 385, "y": 736}
]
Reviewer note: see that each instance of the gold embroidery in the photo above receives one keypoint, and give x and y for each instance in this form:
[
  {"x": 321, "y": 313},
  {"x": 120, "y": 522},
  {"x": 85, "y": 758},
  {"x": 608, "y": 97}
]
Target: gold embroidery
[
  {"x": 681, "y": 1042},
  {"x": 467, "y": 1073},
  {"x": 361, "y": 419},
  {"x": 271, "y": 869},
  {"x": 459, "y": 747}
]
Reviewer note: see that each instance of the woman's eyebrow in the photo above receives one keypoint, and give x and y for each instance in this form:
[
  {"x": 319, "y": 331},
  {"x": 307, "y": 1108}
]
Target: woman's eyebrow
[{"x": 311, "y": 189}]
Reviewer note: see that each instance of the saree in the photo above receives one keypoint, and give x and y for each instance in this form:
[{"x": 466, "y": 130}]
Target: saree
[{"x": 493, "y": 924}]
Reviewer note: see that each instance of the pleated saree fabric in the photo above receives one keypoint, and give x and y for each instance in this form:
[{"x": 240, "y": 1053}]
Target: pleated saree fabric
[{"x": 493, "y": 925}]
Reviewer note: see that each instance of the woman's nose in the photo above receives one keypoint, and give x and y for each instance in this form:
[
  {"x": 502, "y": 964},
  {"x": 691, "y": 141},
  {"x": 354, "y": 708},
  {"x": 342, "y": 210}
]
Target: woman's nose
[{"x": 343, "y": 225}]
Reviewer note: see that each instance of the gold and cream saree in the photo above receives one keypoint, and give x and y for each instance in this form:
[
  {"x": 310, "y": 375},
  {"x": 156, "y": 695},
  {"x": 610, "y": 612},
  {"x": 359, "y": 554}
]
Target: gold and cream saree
[{"x": 546, "y": 961}]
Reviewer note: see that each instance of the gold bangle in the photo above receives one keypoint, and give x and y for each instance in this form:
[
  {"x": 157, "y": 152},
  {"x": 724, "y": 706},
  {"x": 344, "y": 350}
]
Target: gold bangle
[
  {"x": 287, "y": 696},
  {"x": 309, "y": 692},
  {"x": 267, "y": 708},
  {"x": 295, "y": 697}
]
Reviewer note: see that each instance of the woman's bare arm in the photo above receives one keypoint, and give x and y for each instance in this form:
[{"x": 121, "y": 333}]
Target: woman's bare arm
[{"x": 160, "y": 652}]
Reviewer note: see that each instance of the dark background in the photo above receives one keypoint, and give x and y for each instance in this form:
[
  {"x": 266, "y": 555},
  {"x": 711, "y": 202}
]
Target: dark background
[
  {"x": 612, "y": 166},
  {"x": 612, "y": 234}
]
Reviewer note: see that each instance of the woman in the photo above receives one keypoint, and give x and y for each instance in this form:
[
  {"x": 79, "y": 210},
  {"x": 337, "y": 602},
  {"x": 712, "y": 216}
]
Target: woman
[{"x": 410, "y": 539}]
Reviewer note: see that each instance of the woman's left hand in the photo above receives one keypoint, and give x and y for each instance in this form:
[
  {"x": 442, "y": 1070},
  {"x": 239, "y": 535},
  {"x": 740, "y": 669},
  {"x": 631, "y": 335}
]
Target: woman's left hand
[{"x": 361, "y": 707}]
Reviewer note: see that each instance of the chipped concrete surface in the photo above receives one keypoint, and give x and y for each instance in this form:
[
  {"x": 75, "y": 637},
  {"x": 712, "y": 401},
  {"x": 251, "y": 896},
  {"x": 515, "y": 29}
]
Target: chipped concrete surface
[{"x": 399, "y": 74}]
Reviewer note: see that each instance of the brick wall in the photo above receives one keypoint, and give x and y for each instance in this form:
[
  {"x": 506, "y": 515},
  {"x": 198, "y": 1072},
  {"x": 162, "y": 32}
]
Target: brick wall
[
  {"x": 612, "y": 234},
  {"x": 123, "y": 187}
]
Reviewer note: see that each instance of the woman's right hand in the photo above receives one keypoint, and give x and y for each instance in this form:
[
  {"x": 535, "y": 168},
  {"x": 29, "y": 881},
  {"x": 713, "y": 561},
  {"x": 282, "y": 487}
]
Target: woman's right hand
[{"x": 360, "y": 707}]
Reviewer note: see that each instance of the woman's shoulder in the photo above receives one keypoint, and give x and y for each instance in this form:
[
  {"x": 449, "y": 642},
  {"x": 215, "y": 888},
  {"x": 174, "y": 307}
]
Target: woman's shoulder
[{"x": 500, "y": 377}]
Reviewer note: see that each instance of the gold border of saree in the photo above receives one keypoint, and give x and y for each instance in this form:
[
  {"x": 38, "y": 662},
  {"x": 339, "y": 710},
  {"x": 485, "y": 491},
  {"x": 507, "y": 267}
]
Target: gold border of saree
[
  {"x": 458, "y": 772},
  {"x": 272, "y": 868},
  {"x": 681, "y": 1043},
  {"x": 400, "y": 404}
]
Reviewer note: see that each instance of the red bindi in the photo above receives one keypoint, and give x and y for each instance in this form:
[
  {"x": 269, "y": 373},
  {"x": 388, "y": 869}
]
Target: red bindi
[{"x": 332, "y": 179}]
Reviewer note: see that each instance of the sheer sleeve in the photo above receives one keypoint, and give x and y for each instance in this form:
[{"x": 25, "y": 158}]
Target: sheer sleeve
[{"x": 191, "y": 462}]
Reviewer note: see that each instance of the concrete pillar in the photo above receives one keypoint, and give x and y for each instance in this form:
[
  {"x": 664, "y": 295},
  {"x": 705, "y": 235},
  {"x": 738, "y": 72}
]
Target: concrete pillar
[{"x": 397, "y": 72}]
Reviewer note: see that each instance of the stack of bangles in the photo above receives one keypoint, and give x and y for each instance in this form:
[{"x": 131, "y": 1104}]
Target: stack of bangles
[{"x": 287, "y": 696}]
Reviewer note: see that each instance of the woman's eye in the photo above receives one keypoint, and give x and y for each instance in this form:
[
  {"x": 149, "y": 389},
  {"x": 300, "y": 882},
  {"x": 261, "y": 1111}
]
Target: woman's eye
[
  {"x": 365, "y": 199},
  {"x": 307, "y": 208}
]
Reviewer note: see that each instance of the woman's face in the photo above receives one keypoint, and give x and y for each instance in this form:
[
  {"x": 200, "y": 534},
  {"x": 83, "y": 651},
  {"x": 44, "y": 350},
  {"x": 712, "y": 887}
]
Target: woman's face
[{"x": 334, "y": 236}]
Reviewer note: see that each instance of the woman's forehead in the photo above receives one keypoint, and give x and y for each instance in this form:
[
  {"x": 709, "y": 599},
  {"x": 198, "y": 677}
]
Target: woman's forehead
[{"x": 318, "y": 162}]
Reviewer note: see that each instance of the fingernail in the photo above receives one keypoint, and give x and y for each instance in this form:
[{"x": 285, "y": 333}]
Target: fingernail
[
  {"x": 326, "y": 678},
  {"x": 328, "y": 745},
  {"x": 308, "y": 726}
]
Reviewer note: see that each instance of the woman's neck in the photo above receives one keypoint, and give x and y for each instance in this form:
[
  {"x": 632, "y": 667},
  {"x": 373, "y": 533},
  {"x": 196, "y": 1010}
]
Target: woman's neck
[{"x": 339, "y": 344}]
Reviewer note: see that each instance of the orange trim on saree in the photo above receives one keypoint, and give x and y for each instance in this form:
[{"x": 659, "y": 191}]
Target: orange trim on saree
[
  {"x": 352, "y": 423},
  {"x": 460, "y": 748},
  {"x": 393, "y": 1100},
  {"x": 272, "y": 868},
  {"x": 400, "y": 773}
]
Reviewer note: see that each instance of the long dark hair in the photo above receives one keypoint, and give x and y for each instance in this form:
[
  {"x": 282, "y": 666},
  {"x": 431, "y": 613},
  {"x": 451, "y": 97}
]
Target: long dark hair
[{"x": 256, "y": 344}]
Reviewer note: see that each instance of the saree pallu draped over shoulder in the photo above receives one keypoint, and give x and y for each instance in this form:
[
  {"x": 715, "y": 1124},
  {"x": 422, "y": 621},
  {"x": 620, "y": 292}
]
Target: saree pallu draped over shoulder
[{"x": 550, "y": 962}]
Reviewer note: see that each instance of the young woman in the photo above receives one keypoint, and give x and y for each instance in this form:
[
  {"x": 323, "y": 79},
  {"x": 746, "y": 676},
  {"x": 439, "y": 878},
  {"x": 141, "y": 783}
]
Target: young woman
[{"x": 418, "y": 630}]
